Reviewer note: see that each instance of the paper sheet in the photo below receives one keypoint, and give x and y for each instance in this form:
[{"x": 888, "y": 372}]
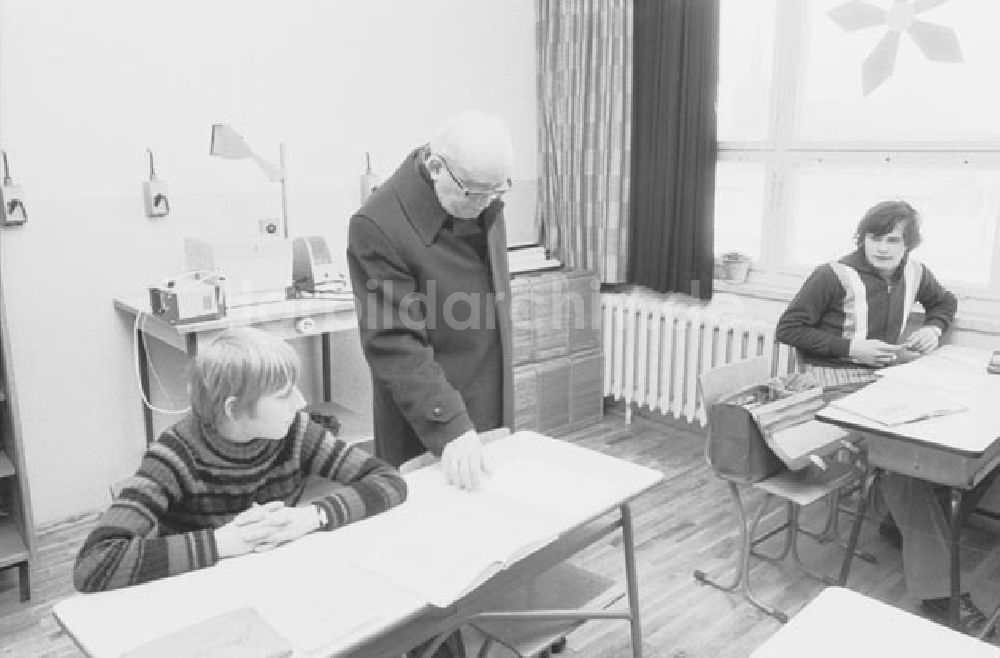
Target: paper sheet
[
  {"x": 956, "y": 370},
  {"x": 445, "y": 550},
  {"x": 895, "y": 401}
]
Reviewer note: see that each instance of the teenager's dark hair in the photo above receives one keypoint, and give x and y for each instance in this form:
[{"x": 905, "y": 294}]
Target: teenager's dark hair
[{"x": 883, "y": 217}]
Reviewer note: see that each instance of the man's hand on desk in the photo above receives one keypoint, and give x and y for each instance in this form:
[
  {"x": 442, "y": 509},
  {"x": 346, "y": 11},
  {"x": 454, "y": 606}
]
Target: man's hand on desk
[
  {"x": 463, "y": 461},
  {"x": 251, "y": 528}
]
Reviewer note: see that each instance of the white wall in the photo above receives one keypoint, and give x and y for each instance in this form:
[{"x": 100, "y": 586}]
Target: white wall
[{"x": 86, "y": 87}]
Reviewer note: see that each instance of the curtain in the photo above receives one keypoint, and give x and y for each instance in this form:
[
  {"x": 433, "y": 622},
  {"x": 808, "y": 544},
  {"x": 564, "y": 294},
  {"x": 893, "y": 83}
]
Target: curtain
[
  {"x": 676, "y": 70},
  {"x": 584, "y": 109}
]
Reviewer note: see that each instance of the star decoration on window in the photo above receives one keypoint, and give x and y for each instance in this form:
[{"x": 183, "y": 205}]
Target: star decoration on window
[{"x": 936, "y": 42}]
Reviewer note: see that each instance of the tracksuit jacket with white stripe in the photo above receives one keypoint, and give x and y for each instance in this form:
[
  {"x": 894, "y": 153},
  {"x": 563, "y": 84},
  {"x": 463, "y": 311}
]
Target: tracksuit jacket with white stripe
[{"x": 849, "y": 299}]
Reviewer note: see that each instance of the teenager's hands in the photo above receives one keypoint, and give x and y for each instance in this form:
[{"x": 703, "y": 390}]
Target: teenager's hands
[
  {"x": 297, "y": 522},
  {"x": 463, "y": 461},
  {"x": 873, "y": 352},
  {"x": 249, "y": 528},
  {"x": 924, "y": 340}
]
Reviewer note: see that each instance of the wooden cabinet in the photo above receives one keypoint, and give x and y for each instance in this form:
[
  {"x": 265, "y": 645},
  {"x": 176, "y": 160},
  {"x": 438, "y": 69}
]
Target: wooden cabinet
[{"x": 17, "y": 534}]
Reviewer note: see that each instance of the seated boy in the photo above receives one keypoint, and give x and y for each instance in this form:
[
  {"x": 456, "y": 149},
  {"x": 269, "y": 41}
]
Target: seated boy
[
  {"x": 852, "y": 312},
  {"x": 221, "y": 481}
]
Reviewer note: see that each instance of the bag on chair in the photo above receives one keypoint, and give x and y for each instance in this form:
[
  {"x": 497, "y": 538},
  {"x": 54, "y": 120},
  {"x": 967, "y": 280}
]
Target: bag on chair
[
  {"x": 743, "y": 423},
  {"x": 736, "y": 448}
]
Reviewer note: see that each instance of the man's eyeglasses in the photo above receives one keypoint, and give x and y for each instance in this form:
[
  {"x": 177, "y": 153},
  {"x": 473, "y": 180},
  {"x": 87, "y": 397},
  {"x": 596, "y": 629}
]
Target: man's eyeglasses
[{"x": 492, "y": 194}]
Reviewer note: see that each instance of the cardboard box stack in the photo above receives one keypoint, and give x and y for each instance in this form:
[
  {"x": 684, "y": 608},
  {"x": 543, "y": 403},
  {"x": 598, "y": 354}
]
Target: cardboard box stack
[{"x": 558, "y": 364}]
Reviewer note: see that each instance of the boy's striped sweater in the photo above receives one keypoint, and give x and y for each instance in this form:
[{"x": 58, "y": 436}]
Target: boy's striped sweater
[{"x": 192, "y": 481}]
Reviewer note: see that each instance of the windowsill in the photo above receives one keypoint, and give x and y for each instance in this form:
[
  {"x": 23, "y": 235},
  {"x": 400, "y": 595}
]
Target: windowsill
[{"x": 975, "y": 314}]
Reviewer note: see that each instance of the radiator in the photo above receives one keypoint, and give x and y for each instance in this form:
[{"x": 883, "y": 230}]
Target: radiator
[{"x": 656, "y": 347}]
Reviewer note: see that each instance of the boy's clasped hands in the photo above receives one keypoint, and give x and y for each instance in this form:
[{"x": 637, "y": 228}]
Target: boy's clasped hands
[{"x": 263, "y": 527}]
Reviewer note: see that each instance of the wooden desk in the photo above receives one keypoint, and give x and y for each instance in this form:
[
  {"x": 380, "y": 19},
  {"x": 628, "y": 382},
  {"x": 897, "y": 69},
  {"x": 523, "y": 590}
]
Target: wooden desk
[
  {"x": 294, "y": 318},
  {"x": 300, "y": 588},
  {"x": 839, "y": 622},
  {"x": 957, "y": 450}
]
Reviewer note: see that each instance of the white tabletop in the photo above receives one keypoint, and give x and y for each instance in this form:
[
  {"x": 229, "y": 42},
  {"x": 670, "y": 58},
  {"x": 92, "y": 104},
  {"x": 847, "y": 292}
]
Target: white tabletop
[
  {"x": 318, "y": 592},
  {"x": 250, "y": 314},
  {"x": 959, "y": 372},
  {"x": 840, "y": 622}
]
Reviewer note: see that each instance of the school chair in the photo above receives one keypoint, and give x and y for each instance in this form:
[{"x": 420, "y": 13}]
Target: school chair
[{"x": 798, "y": 489}]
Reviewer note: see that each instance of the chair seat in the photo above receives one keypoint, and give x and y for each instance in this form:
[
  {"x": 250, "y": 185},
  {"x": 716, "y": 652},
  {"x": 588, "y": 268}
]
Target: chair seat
[{"x": 806, "y": 486}]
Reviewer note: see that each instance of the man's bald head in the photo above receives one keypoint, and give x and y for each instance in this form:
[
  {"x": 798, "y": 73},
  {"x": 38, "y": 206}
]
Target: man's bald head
[{"x": 478, "y": 146}]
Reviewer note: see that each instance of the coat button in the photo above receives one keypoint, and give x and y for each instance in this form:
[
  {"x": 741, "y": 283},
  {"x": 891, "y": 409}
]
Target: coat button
[{"x": 437, "y": 411}]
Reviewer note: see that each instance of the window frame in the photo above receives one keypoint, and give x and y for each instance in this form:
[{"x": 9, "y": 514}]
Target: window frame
[{"x": 779, "y": 153}]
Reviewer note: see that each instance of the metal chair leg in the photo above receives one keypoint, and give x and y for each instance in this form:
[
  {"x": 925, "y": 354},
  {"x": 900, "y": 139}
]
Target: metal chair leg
[
  {"x": 786, "y": 527},
  {"x": 742, "y": 576},
  {"x": 831, "y": 533},
  {"x": 793, "y": 532},
  {"x": 702, "y": 576}
]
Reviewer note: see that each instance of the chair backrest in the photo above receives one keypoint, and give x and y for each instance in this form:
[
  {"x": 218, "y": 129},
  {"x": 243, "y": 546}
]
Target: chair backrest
[
  {"x": 733, "y": 451},
  {"x": 728, "y": 378}
]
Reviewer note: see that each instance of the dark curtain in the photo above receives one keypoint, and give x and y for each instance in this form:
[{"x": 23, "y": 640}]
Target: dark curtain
[{"x": 675, "y": 73}]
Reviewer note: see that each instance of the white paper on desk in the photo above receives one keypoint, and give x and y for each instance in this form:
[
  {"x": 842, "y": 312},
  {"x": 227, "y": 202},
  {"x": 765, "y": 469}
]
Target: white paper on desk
[
  {"x": 956, "y": 370},
  {"x": 445, "y": 541},
  {"x": 571, "y": 494},
  {"x": 312, "y": 597},
  {"x": 451, "y": 541},
  {"x": 892, "y": 401}
]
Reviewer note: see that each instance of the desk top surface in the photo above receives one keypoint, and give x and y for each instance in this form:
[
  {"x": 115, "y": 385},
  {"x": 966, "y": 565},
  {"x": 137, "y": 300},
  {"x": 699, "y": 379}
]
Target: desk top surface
[
  {"x": 959, "y": 371},
  {"x": 241, "y": 316},
  {"x": 349, "y": 602},
  {"x": 840, "y": 622}
]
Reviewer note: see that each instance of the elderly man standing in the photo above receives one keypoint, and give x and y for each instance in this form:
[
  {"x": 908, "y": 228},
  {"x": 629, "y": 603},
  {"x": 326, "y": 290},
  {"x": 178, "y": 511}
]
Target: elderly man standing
[{"x": 428, "y": 262}]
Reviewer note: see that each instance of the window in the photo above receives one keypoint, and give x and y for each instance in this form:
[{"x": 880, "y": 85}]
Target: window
[{"x": 808, "y": 142}]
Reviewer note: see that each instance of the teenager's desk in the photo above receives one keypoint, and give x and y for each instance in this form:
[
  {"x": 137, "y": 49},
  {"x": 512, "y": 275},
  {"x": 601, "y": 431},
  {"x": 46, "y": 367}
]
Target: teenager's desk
[
  {"x": 839, "y": 622},
  {"x": 293, "y": 318},
  {"x": 957, "y": 450},
  {"x": 355, "y": 591}
]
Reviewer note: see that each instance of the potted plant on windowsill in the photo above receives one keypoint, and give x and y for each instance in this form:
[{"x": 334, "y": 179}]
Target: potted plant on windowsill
[{"x": 735, "y": 266}]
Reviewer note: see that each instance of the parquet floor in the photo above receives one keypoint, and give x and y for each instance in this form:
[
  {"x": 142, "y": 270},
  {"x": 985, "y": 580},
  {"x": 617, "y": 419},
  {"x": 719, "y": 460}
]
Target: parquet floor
[{"x": 685, "y": 524}]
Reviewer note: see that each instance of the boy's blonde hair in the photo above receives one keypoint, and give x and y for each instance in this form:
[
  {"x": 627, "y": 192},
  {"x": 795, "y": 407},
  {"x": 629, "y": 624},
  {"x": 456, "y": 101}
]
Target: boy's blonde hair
[{"x": 244, "y": 363}]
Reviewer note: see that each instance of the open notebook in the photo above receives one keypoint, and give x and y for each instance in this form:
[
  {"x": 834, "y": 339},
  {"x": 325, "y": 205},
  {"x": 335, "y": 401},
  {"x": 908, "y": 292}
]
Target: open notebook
[
  {"x": 449, "y": 541},
  {"x": 895, "y": 401}
]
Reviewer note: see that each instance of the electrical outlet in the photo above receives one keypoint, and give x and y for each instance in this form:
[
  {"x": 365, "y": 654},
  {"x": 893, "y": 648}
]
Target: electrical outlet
[
  {"x": 270, "y": 227},
  {"x": 154, "y": 197},
  {"x": 12, "y": 210}
]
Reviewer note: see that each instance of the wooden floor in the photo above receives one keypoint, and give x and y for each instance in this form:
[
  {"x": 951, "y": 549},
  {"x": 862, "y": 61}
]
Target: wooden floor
[{"x": 687, "y": 523}]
